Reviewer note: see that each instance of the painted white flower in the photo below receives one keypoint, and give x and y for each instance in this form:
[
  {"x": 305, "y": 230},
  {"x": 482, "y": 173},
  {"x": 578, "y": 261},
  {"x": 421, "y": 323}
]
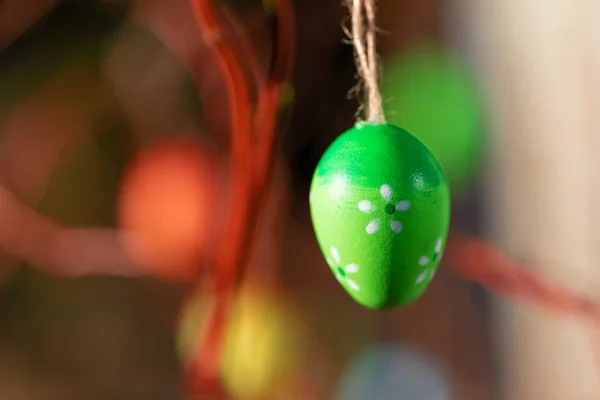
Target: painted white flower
[
  {"x": 429, "y": 263},
  {"x": 342, "y": 273},
  {"x": 389, "y": 208}
]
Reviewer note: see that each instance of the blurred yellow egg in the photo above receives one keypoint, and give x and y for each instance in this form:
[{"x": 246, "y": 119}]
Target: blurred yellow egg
[{"x": 264, "y": 343}]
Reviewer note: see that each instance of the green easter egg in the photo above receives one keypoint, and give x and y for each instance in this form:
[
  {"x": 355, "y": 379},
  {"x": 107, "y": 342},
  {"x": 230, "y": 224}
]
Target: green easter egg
[{"x": 380, "y": 207}]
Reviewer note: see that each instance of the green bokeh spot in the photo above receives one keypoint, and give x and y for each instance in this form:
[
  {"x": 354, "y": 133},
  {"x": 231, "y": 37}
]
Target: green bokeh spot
[{"x": 428, "y": 91}]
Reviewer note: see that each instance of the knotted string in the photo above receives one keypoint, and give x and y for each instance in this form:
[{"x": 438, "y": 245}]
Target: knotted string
[{"x": 363, "y": 37}]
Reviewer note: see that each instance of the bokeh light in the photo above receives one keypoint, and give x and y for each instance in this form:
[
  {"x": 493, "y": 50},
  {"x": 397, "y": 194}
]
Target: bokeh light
[
  {"x": 264, "y": 343},
  {"x": 391, "y": 372},
  {"x": 167, "y": 201},
  {"x": 428, "y": 92}
]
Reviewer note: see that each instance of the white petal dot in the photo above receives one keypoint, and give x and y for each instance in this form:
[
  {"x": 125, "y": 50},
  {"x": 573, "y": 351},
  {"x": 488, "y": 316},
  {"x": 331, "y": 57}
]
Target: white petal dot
[
  {"x": 423, "y": 261},
  {"x": 329, "y": 262},
  {"x": 351, "y": 268},
  {"x": 366, "y": 206},
  {"x": 386, "y": 192},
  {"x": 339, "y": 278},
  {"x": 421, "y": 277},
  {"x": 396, "y": 226},
  {"x": 372, "y": 227},
  {"x": 438, "y": 245},
  {"x": 433, "y": 271},
  {"x": 403, "y": 205},
  {"x": 352, "y": 284},
  {"x": 335, "y": 254}
]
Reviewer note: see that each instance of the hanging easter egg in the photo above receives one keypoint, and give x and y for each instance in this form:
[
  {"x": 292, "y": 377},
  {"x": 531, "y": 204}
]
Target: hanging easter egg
[
  {"x": 428, "y": 91},
  {"x": 380, "y": 208}
]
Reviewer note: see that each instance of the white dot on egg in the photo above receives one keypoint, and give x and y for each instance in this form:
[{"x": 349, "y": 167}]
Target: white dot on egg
[
  {"x": 335, "y": 254},
  {"x": 372, "y": 227},
  {"x": 386, "y": 192},
  {"x": 396, "y": 226},
  {"x": 421, "y": 277},
  {"x": 433, "y": 271},
  {"x": 352, "y": 284},
  {"x": 438, "y": 245},
  {"x": 423, "y": 260},
  {"x": 366, "y": 206},
  {"x": 351, "y": 268},
  {"x": 403, "y": 205}
]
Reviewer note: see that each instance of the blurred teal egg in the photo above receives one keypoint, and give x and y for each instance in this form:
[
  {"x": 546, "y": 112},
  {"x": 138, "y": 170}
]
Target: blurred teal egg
[
  {"x": 428, "y": 92},
  {"x": 391, "y": 372}
]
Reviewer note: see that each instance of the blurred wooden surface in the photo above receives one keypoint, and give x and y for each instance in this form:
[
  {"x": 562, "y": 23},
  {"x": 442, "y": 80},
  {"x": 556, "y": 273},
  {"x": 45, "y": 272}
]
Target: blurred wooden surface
[{"x": 535, "y": 62}]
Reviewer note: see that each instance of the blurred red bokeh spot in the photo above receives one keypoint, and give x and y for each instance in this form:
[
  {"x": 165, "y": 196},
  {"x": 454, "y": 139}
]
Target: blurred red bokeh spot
[{"x": 167, "y": 202}]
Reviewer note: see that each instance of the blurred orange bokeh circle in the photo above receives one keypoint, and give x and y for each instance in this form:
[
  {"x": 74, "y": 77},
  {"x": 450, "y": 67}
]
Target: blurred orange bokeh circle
[{"x": 167, "y": 203}]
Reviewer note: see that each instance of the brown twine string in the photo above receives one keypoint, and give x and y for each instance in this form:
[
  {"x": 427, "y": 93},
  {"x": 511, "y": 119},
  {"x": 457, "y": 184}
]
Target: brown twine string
[{"x": 363, "y": 37}]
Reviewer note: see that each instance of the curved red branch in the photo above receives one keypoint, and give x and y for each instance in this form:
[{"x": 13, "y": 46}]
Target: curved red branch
[
  {"x": 29, "y": 236},
  {"x": 250, "y": 177},
  {"x": 204, "y": 364},
  {"x": 478, "y": 261}
]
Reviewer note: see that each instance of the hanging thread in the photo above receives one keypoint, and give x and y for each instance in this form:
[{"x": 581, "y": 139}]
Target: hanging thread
[{"x": 363, "y": 38}]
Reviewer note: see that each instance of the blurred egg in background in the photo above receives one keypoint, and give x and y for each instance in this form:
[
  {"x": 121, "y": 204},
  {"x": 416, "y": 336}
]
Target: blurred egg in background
[
  {"x": 387, "y": 371},
  {"x": 167, "y": 203},
  {"x": 264, "y": 343},
  {"x": 427, "y": 90}
]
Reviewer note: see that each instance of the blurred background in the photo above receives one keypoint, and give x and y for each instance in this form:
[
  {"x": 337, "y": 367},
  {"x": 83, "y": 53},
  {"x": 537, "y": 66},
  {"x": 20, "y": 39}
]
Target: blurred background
[{"x": 114, "y": 113}]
